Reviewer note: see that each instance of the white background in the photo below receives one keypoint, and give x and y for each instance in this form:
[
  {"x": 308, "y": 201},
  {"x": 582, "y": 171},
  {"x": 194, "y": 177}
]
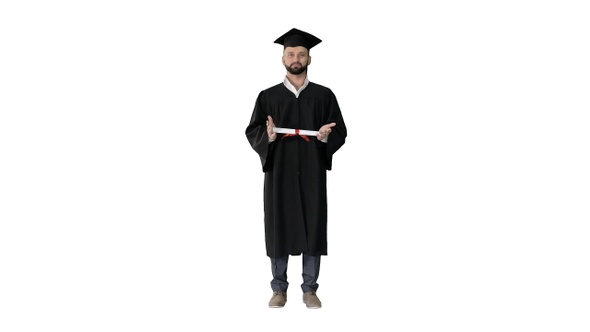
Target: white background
[{"x": 130, "y": 199}]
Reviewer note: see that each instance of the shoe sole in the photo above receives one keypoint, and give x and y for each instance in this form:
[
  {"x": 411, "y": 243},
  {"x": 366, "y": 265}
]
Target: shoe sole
[{"x": 312, "y": 307}]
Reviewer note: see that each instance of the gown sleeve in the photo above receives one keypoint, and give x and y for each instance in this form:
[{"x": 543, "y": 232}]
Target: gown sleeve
[
  {"x": 338, "y": 135},
  {"x": 256, "y": 132}
]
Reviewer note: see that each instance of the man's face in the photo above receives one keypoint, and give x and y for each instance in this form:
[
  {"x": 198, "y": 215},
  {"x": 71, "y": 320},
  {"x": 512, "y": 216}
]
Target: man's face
[{"x": 296, "y": 59}]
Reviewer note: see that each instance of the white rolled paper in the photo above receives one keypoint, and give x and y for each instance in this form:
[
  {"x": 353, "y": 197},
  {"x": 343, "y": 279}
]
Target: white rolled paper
[{"x": 279, "y": 130}]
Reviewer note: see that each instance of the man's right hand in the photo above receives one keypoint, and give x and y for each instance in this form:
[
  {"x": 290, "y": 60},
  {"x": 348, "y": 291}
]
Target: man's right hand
[{"x": 269, "y": 127}]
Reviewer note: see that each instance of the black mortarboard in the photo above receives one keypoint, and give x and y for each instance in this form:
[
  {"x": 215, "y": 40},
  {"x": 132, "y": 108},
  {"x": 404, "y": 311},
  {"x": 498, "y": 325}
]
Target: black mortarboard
[{"x": 295, "y": 37}]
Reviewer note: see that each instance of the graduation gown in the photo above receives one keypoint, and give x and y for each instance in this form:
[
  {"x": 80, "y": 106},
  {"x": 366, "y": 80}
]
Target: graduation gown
[{"x": 295, "y": 200}]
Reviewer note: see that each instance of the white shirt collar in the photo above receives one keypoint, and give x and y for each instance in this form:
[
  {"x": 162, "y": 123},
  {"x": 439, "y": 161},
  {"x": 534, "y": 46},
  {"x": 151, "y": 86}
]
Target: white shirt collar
[{"x": 292, "y": 88}]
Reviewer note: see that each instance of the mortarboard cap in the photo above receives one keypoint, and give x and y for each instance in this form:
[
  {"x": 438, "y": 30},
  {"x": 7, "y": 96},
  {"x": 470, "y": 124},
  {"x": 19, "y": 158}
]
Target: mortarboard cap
[{"x": 296, "y": 37}]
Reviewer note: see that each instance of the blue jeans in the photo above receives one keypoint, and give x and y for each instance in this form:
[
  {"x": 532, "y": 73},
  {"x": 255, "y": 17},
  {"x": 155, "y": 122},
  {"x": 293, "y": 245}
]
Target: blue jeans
[{"x": 310, "y": 274}]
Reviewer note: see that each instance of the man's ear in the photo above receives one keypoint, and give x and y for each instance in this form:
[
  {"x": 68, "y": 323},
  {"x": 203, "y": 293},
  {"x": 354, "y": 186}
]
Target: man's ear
[{"x": 309, "y": 60}]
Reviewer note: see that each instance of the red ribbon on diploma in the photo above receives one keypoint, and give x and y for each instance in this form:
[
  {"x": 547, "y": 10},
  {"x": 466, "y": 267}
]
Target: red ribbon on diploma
[{"x": 296, "y": 134}]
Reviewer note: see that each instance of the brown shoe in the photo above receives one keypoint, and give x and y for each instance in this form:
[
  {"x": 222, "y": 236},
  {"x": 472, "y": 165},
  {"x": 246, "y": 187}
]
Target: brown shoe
[
  {"x": 278, "y": 300},
  {"x": 311, "y": 300}
]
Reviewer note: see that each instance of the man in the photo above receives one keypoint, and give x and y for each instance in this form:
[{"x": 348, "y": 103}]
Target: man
[{"x": 296, "y": 127}]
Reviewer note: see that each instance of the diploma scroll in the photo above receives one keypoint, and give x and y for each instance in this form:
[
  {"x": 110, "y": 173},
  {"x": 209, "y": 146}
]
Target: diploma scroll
[{"x": 294, "y": 131}]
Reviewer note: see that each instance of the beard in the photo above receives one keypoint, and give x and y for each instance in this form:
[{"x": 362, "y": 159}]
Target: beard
[{"x": 296, "y": 71}]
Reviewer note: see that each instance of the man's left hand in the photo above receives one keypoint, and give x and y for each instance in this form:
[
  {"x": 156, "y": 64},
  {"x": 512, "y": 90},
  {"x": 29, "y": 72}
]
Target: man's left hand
[{"x": 325, "y": 131}]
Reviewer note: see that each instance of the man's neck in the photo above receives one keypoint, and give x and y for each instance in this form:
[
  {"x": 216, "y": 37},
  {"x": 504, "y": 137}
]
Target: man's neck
[{"x": 296, "y": 80}]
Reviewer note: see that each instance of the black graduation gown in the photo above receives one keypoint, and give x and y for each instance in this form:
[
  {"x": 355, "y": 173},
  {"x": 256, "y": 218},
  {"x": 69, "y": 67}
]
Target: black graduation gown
[{"x": 295, "y": 201}]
